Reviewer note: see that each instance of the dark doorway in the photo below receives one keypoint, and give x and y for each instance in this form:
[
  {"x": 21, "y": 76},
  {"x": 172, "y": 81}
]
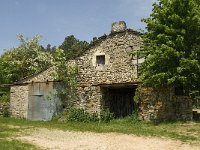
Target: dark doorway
[{"x": 119, "y": 100}]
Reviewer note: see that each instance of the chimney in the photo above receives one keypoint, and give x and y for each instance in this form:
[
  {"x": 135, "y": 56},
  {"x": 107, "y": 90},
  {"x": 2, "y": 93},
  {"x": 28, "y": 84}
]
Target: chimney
[{"x": 118, "y": 26}]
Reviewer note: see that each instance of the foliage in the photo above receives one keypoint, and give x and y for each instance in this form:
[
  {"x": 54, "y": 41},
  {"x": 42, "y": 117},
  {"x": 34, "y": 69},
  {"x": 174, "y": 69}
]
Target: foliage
[
  {"x": 27, "y": 59},
  {"x": 30, "y": 58},
  {"x": 4, "y": 95},
  {"x": 67, "y": 73},
  {"x": 171, "y": 45},
  {"x": 4, "y": 109},
  {"x": 106, "y": 116},
  {"x": 78, "y": 115},
  {"x": 73, "y": 47}
]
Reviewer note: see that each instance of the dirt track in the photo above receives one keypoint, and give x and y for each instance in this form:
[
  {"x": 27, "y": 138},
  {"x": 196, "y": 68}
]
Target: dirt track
[{"x": 69, "y": 140}]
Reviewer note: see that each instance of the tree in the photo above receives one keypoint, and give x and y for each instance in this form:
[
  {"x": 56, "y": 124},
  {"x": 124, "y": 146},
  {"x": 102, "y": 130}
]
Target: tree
[
  {"x": 172, "y": 45},
  {"x": 25, "y": 60},
  {"x": 50, "y": 49},
  {"x": 73, "y": 47}
]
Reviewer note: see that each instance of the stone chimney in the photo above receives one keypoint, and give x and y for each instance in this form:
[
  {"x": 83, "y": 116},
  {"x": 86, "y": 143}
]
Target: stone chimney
[{"x": 118, "y": 26}]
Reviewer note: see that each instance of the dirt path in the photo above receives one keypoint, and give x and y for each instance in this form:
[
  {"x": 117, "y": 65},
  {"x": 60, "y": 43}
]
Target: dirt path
[{"x": 69, "y": 140}]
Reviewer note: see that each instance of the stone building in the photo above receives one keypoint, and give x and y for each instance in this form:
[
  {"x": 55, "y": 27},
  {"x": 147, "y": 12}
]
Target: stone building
[
  {"x": 108, "y": 72},
  {"x": 107, "y": 78},
  {"x": 35, "y": 97}
]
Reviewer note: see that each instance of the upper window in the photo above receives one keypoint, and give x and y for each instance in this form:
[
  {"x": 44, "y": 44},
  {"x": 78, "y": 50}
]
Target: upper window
[{"x": 100, "y": 60}]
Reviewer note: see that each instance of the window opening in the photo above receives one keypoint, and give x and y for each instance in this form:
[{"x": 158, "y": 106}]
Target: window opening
[{"x": 100, "y": 60}]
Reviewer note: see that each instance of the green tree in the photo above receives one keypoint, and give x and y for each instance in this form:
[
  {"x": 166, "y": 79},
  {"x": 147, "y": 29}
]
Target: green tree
[
  {"x": 27, "y": 59},
  {"x": 73, "y": 47},
  {"x": 172, "y": 45}
]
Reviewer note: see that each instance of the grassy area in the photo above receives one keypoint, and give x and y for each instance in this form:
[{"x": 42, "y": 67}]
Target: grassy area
[
  {"x": 7, "y": 142},
  {"x": 187, "y": 132}
]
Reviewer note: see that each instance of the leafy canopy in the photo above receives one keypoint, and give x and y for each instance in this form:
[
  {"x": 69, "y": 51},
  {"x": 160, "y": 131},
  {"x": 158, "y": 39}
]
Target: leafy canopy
[
  {"x": 27, "y": 59},
  {"x": 172, "y": 45},
  {"x": 30, "y": 58},
  {"x": 73, "y": 47}
]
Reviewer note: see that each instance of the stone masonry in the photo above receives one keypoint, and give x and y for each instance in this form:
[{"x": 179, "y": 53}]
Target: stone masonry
[
  {"x": 108, "y": 63},
  {"x": 24, "y": 89},
  {"x": 119, "y": 67},
  {"x": 163, "y": 105}
]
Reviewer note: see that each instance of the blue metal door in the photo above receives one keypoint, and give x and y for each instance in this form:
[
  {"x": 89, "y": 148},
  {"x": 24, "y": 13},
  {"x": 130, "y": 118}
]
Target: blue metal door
[{"x": 39, "y": 107}]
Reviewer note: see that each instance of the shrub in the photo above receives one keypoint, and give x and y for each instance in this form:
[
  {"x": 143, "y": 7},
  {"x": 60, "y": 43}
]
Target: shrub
[
  {"x": 4, "y": 98},
  {"x": 133, "y": 118},
  {"x": 106, "y": 116},
  {"x": 4, "y": 110},
  {"x": 78, "y": 115}
]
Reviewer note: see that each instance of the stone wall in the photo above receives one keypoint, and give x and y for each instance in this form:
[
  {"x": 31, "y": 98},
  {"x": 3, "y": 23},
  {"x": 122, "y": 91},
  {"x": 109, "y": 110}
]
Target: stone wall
[
  {"x": 19, "y": 101},
  {"x": 40, "y": 77},
  {"x": 162, "y": 105},
  {"x": 119, "y": 67},
  {"x": 20, "y": 93}
]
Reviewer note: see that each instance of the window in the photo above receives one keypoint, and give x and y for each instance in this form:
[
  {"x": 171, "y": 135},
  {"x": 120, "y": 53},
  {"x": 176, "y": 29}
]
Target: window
[{"x": 100, "y": 60}]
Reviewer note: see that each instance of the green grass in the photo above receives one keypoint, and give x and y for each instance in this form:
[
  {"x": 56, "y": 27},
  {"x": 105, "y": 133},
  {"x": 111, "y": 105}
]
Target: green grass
[
  {"x": 187, "y": 132},
  {"x": 7, "y": 141}
]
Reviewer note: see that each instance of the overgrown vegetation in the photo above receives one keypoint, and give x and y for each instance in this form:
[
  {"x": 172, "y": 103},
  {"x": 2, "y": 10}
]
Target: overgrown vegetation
[
  {"x": 171, "y": 46},
  {"x": 30, "y": 58},
  {"x": 67, "y": 73},
  {"x": 80, "y": 115}
]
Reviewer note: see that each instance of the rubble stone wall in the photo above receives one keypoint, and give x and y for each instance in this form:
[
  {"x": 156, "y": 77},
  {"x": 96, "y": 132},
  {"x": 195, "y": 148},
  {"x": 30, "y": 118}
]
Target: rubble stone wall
[
  {"x": 41, "y": 77},
  {"x": 19, "y": 101},
  {"x": 119, "y": 67},
  {"x": 162, "y": 105}
]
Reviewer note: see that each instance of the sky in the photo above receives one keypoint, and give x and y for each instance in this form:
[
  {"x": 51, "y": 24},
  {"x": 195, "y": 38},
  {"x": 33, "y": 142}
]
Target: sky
[{"x": 56, "y": 19}]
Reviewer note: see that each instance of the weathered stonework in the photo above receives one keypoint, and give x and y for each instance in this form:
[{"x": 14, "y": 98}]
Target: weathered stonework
[
  {"x": 26, "y": 94},
  {"x": 162, "y": 105},
  {"x": 40, "y": 77},
  {"x": 19, "y": 101},
  {"x": 119, "y": 68},
  {"x": 107, "y": 78},
  {"x": 118, "y": 26}
]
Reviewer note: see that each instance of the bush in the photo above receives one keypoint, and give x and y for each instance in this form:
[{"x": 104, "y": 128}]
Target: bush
[
  {"x": 106, "y": 116},
  {"x": 78, "y": 115},
  {"x": 4, "y": 110},
  {"x": 133, "y": 118},
  {"x": 4, "y": 98}
]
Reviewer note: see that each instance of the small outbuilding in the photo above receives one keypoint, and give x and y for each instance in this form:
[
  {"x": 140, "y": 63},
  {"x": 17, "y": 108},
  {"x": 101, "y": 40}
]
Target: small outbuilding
[{"x": 35, "y": 97}]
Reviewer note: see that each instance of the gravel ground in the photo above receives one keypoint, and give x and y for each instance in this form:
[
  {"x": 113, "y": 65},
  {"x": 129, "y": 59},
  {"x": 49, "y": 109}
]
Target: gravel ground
[{"x": 70, "y": 140}]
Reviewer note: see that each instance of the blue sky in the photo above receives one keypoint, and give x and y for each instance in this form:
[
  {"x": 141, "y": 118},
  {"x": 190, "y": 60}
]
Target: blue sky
[{"x": 56, "y": 19}]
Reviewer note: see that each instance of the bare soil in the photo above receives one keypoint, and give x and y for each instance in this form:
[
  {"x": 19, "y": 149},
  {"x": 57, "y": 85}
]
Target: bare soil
[{"x": 71, "y": 140}]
